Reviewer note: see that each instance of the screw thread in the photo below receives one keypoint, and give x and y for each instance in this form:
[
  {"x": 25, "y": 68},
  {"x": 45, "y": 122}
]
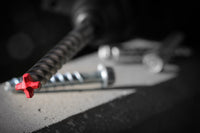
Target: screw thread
[
  {"x": 104, "y": 75},
  {"x": 72, "y": 79}
]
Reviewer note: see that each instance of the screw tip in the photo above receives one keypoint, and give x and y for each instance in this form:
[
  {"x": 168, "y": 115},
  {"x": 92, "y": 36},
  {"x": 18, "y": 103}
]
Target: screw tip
[{"x": 28, "y": 85}]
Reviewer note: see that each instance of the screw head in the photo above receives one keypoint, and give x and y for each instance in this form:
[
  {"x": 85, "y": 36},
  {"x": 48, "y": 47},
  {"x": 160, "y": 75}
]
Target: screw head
[
  {"x": 107, "y": 75},
  {"x": 154, "y": 62},
  {"x": 104, "y": 52}
]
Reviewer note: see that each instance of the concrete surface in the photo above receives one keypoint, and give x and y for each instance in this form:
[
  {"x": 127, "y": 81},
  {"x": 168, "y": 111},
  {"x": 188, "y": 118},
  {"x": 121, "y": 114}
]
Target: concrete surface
[
  {"x": 19, "y": 114},
  {"x": 167, "y": 107}
]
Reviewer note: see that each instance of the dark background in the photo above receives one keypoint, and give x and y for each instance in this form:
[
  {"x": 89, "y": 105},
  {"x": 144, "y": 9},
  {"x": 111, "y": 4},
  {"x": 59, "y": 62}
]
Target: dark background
[{"x": 30, "y": 28}]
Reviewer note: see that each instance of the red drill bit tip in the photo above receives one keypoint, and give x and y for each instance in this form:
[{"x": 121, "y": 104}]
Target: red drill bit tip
[{"x": 28, "y": 85}]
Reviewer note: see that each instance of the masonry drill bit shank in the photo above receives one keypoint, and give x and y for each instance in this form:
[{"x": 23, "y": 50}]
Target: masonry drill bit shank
[{"x": 48, "y": 65}]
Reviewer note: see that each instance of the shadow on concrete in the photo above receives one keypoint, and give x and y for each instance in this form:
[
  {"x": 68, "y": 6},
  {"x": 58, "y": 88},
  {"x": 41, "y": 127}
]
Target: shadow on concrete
[
  {"x": 86, "y": 90},
  {"x": 92, "y": 89}
]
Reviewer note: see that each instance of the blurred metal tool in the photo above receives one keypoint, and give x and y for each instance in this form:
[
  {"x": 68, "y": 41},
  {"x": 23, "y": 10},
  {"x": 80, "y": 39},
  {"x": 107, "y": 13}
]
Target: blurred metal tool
[
  {"x": 104, "y": 76},
  {"x": 127, "y": 52},
  {"x": 153, "y": 54},
  {"x": 121, "y": 55},
  {"x": 156, "y": 60}
]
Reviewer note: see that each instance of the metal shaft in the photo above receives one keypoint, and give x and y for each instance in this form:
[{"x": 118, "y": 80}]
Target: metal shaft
[
  {"x": 104, "y": 75},
  {"x": 48, "y": 65}
]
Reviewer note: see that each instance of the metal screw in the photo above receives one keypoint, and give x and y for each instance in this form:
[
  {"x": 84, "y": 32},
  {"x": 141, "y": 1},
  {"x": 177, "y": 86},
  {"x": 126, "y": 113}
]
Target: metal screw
[
  {"x": 103, "y": 75},
  {"x": 157, "y": 60},
  {"x": 154, "y": 55}
]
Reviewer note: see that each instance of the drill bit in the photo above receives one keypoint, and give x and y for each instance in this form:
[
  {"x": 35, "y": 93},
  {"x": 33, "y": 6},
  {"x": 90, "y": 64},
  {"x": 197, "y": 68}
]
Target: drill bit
[{"x": 48, "y": 65}]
